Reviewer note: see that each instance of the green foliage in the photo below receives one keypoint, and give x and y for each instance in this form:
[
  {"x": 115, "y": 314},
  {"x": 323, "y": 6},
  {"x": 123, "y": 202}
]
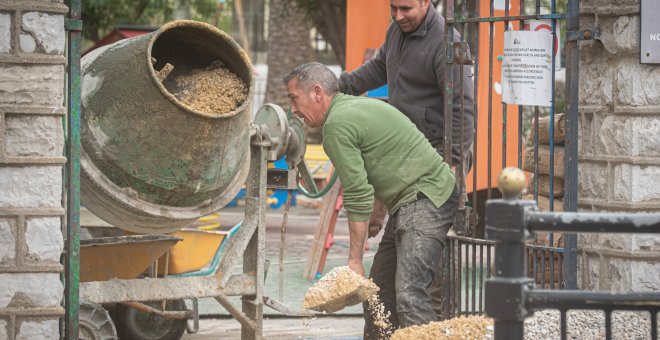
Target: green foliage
[{"x": 100, "y": 16}]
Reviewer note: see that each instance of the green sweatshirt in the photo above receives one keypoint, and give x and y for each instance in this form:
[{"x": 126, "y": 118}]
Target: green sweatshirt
[{"x": 378, "y": 152}]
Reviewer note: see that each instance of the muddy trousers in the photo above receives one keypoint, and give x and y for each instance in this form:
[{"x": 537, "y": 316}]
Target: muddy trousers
[{"x": 407, "y": 261}]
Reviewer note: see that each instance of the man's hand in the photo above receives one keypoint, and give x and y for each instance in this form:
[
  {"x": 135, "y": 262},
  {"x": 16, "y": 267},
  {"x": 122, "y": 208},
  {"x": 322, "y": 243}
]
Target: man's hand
[
  {"x": 356, "y": 266},
  {"x": 374, "y": 230},
  {"x": 377, "y": 218}
]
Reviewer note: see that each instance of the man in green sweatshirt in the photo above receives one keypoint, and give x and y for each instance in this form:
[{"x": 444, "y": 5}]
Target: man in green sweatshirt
[{"x": 380, "y": 154}]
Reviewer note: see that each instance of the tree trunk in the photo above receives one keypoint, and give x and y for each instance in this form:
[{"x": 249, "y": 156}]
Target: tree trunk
[
  {"x": 288, "y": 46},
  {"x": 329, "y": 18}
]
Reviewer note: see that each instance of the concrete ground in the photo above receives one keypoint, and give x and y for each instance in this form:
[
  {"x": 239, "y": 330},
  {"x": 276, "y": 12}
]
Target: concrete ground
[
  {"x": 335, "y": 327},
  {"x": 216, "y": 323}
]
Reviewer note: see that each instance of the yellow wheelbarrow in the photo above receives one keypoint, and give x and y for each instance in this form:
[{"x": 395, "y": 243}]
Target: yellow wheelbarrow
[{"x": 187, "y": 252}]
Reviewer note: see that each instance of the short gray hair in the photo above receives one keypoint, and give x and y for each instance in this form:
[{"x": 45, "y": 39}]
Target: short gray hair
[{"x": 313, "y": 73}]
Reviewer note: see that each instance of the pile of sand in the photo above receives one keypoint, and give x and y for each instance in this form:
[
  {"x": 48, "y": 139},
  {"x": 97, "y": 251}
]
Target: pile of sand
[
  {"x": 461, "y": 328},
  {"x": 214, "y": 90},
  {"x": 339, "y": 288}
]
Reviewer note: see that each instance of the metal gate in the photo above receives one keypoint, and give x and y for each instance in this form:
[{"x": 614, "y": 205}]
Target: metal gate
[
  {"x": 509, "y": 135},
  {"x": 511, "y": 296}
]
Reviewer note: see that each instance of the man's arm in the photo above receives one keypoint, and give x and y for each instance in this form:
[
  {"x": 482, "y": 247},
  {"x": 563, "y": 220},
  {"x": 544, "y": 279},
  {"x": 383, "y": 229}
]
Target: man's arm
[
  {"x": 340, "y": 142},
  {"x": 343, "y": 151},
  {"x": 358, "y": 236},
  {"x": 371, "y": 75}
]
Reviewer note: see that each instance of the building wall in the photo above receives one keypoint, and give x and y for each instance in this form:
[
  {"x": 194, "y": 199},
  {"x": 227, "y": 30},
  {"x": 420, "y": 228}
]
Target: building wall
[
  {"x": 619, "y": 168},
  {"x": 32, "y": 73}
]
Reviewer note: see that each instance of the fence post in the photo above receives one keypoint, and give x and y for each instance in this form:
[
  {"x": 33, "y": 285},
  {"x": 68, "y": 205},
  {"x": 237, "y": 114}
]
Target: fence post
[{"x": 506, "y": 289}]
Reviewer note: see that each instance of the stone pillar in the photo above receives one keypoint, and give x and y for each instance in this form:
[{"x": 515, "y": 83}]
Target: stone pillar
[
  {"x": 32, "y": 114},
  {"x": 619, "y": 158}
]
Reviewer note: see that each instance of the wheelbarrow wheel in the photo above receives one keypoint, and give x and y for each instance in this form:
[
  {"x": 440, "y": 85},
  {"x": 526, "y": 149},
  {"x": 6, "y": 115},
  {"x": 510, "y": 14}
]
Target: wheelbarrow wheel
[
  {"x": 95, "y": 323},
  {"x": 133, "y": 324}
]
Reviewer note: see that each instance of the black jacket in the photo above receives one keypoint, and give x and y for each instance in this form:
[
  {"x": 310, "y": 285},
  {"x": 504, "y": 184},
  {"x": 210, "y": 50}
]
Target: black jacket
[{"x": 413, "y": 66}]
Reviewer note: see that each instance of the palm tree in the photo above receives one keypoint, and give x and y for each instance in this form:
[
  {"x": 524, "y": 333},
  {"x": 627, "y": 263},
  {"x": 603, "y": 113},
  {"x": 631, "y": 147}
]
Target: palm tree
[{"x": 288, "y": 46}]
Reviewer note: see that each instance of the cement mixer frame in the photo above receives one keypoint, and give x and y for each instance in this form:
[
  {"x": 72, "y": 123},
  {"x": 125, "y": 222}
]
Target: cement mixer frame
[
  {"x": 248, "y": 241},
  {"x": 267, "y": 138}
]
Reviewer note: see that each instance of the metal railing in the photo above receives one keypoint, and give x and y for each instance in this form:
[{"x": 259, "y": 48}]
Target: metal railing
[
  {"x": 511, "y": 296},
  {"x": 468, "y": 264}
]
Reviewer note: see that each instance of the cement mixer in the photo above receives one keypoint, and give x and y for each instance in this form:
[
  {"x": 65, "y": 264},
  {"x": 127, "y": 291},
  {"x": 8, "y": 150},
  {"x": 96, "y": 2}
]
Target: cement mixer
[{"x": 151, "y": 164}]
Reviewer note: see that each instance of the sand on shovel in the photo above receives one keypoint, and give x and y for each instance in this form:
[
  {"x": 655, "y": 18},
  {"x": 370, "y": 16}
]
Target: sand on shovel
[
  {"x": 468, "y": 328},
  {"x": 339, "y": 288}
]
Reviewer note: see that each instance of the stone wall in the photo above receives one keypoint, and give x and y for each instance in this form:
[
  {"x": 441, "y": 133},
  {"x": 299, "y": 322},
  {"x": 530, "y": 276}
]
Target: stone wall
[
  {"x": 619, "y": 168},
  {"x": 32, "y": 73}
]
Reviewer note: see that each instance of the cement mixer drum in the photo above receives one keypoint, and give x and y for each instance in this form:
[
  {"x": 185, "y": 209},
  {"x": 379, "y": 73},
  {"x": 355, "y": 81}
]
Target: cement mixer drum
[{"x": 149, "y": 162}]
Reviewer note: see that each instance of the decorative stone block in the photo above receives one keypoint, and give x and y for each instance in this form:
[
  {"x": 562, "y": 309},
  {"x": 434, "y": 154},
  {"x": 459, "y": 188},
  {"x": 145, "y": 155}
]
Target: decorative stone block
[
  {"x": 31, "y": 290},
  {"x": 596, "y": 76},
  {"x": 645, "y": 185},
  {"x": 585, "y": 145},
  {"x": 596, "y": 124},
  {"x": 617, "y": 277},
  {"x": 615, "y": 136},
  {"x": 646, "y": 141},
  {"x": 637, "y": 84},
  {"x": 592, "y": 273},
  {"x": 7, "y": 242},
  {"x": 40, "y": 85},
  {"x": 587, "y": 239},
  {"x": 616, "y": 241},
  {"x": 41, "y": 329},
  {"x": 646, "y": 242},
  {"x": 636, "y": 183},
  {"x": 5, "y": 32},
  {"x": 31, "y": 187},
  {"x": 620, "y": 34},
  {"x": 628, "y": 135},
  {"x": 613, "y": 7},
  {"x": 593, "y": 180},
  {"x": 34, "y": 136},
  {"x": 645, "y": 276},
  {"x": 623, "y": 186},
  {"x": 44, "y": 238},
  {"x": 46, "y": 29}
]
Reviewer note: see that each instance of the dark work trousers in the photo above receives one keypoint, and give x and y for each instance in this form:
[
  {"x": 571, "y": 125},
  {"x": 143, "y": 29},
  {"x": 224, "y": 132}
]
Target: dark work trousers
[{"x": 407, "y": 260}]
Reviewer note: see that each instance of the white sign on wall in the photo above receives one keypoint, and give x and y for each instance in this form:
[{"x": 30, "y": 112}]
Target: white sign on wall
[{"x": 527, "y": 68}]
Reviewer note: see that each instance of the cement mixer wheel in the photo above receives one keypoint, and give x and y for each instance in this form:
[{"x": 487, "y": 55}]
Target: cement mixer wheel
[
  {"x": 136, "y": 325},
  {"x": 95, "y": 323}
]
